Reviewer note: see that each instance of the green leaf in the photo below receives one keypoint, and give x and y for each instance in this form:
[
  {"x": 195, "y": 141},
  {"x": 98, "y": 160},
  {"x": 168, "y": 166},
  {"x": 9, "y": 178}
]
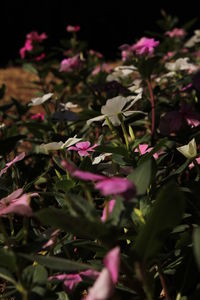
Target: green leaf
[
  {"x": 62, "y": 296},
  {"x": 6, "y": 275},
  {"x": 57, "y": 263},
  {"x": 142, "y": 176},
  {"x": 7, "y": 259},
  {"x": 81, "y": 226},
  {"x": 166, "y": 213},
  {"x": 30, "y": 68},
  {"x": 196, "y": 245}
]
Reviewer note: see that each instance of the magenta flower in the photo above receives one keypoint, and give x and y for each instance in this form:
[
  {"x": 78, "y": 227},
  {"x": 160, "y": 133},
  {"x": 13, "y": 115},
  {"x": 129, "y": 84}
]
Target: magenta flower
[
  {"x": 107, "y": 186},
  {"x": 176, "y": 32},
  {"x": 27, "y": 48},
  {"x": 83, "y": 148},
  {"x": 12, "y": 162},
  {"x": 16, "y": 203},
  {"x": 103, "y": 287},
  {"x": 108, "y": 210},
  {"x": 31, "y": 38},
  {"x": 70, "y": 64},
  {"x": 145, "y": 46},
  {"x": 71, "y": 28},
  {"x": 72, "y": 280},
  {"x": 95, "y": 53},
  {"x": 38, "y": 116}
]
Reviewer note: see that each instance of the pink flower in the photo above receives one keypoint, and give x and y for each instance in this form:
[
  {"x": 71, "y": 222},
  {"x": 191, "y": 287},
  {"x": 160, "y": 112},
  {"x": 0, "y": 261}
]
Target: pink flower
[
  {"x": 145, "y": 46},
  {"x": 176, "y": 32},
  {"x": 52, "y": 240},
  {"x": 103, "y": 287},
  {"x": 35, "y": 37},
  {"x": 71, "y": 28},
  {"x": 106, "y": 185},
  {"x": 17, "y": 203},
  {"x": 95, "y": 53},
  {"x": 72, "y": 280},
  {"x": 191, "y": 166},
  {"x": 27, "y": 48},
  {"x": 108, "y": 210},
  {"x": 144, "y": 148},
  {"x": 192, "y": 118},
  {"x": 40, "y": 57},
  {"x": 126, "y": 52},
  {"x": 12, "y": 162},
  {"x": 83, "y": 148},
  {"x": 101, "y": 68},
  {"x": 70, "y": 64},
  {"x": 38, "y": 116},
  {"x": 116, "y": 186}
]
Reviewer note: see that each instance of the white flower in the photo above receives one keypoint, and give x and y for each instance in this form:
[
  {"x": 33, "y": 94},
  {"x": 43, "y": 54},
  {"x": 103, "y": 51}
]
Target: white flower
[
  {"x": 115, "y": 106},
  {"x": 136, "y": 86},
  {"x": 40, "y": 100},
  {"x": 120, "y": 73},
  {"x": 68, "y": 106},
  {"x": 180, "y": 64},
  {"x": 58, "y": 145},
  {"x": 100, "y": 158},
  {"x": 189, "y": 150},
  {"x": 193, "y": 40}
]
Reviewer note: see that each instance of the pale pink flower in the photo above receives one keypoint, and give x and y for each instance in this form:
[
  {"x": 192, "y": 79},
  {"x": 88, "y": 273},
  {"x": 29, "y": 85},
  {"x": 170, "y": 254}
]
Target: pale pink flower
[
  {"x": 191, "y": 166},
  {"x": 71, "y": 28},
  {"x": 176, "y": 32},
  {"x": 101, "y": 68},
  {"x": 126, "y": 52},
  {"x": 144, "y": 148},
  {"x": 70, "y": 64},
  {"x": 103, "y": 287},
  {"x": 12, "y": 162},
  {"x": 38, "y": 116},
  {"x": 17, "y": 203},
  {"x": 52, "y": 240},
  {"x": 83, "y": 148},
  {"x": 108, "y": 210},
  {"x": 145, "y": 46}
]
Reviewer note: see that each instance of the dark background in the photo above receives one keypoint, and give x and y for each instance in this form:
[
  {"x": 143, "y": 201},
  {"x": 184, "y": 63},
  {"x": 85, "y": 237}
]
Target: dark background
[{"x": 105, "y": 25}]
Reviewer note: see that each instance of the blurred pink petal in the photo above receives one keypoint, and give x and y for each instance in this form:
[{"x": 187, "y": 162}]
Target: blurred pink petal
[
  {"x": 112, "y": 263},
  {"x": 12, "y": 162},
  {"x": 176, "y": 32},
  {"x": 38, "y": 116},
  {"x": 71, "y": 28},
  {"x": 103, "y": 287},
  {"x": 70, "y": 64},
  {"x": 111, "y": 205}
]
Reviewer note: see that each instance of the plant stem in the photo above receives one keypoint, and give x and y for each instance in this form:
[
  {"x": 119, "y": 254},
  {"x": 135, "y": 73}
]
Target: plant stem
[
  {"x": 124, "y": 130},
  {"x": 152, "y": 108},
  {"x": 163, "y": 283}
]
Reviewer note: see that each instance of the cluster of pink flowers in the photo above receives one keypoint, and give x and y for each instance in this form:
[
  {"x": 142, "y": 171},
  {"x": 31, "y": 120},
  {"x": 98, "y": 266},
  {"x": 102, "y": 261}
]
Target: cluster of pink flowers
[
  {"x": 144, "y": 46},
  {"x": 70, "y": 64},
  {"x": 83, "y": 148},
  {"x": 32, "y": 38},
  {"x": 176, "y": 32},
  {"x": 71, "y": 28},
  {"x": 106, "y": 185},
  {"x": 144, "y": 148},
  {"x": 106, "y": 280}
]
